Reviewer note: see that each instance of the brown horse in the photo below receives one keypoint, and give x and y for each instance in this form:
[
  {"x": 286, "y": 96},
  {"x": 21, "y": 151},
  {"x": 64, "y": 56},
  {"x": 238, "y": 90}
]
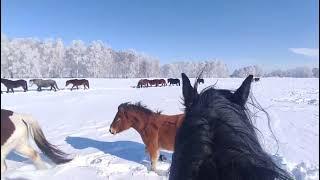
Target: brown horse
[
  {"x": 77, "y": 83},
  {"x": 154, "y": 82},
  {"x": 162, "y": 82},
  {"x": 143, "y": 83},
  {"x": 158, "y": 131},
  {"x": 16, "y": 129}
]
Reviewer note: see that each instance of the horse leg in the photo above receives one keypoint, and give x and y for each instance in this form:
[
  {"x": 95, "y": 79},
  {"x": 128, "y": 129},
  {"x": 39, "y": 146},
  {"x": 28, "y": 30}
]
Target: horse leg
[
  {"x": 12, "y": 90},
  {"x": 7, "y": 90},
  {"x": 4, "y": 153},
  {"x": 26, "y": 150},
  {"x": 154, "y": 154},
  {"x": 71, "y": 87},
  {"x": 3, "y": 165}
]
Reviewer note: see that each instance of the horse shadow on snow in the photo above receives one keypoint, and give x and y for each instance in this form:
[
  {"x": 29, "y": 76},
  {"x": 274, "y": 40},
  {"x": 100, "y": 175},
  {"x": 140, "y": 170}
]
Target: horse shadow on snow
[{"x": 129, "y": 150}]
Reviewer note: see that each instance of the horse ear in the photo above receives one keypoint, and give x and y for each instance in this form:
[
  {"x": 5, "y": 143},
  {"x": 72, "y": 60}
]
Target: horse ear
[
  {"x": 189, "y": 93},
  {"x": 242, "y": 93}
]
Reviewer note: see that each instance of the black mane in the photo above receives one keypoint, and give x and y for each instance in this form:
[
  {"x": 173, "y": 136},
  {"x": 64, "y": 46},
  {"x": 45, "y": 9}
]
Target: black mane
[
  {"x": 138, "y": 107},
  {"x": 218, "y": 140}
]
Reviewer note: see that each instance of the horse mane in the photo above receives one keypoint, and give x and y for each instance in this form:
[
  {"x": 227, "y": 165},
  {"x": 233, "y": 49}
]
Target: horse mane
[
  {"x": 224, "y": 140},
  {"x": 138, "y": 106}
]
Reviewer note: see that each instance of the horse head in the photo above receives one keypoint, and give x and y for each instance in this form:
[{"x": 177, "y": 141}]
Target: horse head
[
  {"x": 68, "y": 82},
  {"x": 121, "y": 121},
  {"x": 31, "y": 82}
]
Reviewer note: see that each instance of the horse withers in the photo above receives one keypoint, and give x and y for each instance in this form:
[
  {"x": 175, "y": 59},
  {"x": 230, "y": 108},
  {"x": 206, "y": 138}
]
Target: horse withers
[
  {"x": 78, "y": 82},
  {"x": 157, "y": 130},
  {"x": 14, "y": 84},
  {"x": 16, "y": 129},
  {"x": 44, "y": 83},
  {"x": 217, "y": 139}
]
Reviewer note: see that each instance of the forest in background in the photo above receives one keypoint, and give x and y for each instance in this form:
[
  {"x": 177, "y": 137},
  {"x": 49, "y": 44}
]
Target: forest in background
[{"x": 31, "y": 57}]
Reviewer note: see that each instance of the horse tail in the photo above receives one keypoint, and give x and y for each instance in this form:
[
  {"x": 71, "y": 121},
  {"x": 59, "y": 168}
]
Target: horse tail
[
  {"x": 50, "y": 150},
  {"x": 55, "y": 84},
  {"x": 87, "y": 83}
]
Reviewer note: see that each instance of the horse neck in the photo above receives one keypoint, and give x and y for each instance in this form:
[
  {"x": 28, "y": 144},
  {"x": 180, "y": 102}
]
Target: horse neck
[{"x": 140, "y": 120}]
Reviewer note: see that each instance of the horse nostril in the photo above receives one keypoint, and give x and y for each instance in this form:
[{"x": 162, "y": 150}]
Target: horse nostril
[{"x": 111, "y": 131}]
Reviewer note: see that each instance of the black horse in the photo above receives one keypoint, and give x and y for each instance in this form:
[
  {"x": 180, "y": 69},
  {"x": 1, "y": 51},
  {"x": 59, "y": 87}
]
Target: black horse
[
  {"x": 217, "y": 140},
  {"x": 14, "y": 84},
  {"x": 200, "y": 80},
  {"x": 174, "y": 81},
  {"x": 256, "y": 79}
]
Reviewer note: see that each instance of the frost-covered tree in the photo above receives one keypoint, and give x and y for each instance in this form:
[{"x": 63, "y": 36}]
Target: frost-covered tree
[
  {"x": 212, "y": 68},
  {"x": 245, "y": 71},
  {"x": 315, "y": 72},
  {"x": 298, "y": 72}
]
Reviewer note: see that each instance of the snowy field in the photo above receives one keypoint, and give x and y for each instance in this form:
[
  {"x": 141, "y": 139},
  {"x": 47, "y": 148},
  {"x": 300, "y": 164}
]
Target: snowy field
[{"x": 78, "y": 122}]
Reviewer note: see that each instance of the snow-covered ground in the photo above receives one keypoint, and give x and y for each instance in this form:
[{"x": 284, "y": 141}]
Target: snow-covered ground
[{"x": 78, "y": 122}]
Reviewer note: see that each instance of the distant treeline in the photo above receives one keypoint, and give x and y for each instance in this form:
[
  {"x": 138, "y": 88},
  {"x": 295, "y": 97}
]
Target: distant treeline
[{"x": 30, "y": 57}]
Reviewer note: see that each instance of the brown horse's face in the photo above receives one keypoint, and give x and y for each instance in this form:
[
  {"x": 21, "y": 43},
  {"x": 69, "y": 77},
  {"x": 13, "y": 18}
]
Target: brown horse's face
[
  {"x": 67, "y": 83},
  {"x": 120, "y": 122}
]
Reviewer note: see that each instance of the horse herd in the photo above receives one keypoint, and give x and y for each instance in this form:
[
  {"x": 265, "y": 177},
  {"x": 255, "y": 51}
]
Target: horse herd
[
  {"x": 214, "y": 138},
  {"x": 42, "y": 83},
  {"x": 162, "y": 82}
]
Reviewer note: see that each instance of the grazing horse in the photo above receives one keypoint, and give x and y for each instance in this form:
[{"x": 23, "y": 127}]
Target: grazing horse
[
  {"x": 162, "y": 82},
  {"x": 174, "y": 81},
  {"x": 143, "y": 83},
  {"x": 154, "y": 82},
  {"x": 200, "y": 80},
  {"x": 14, "y": 84},
  {"x": 78, "y": 82},
  {"x": 44, "y": 83},
  {"x": 157, "y": 130},
  {"x": 16, "y": 129},
  {"x": 217, "y": 139}
]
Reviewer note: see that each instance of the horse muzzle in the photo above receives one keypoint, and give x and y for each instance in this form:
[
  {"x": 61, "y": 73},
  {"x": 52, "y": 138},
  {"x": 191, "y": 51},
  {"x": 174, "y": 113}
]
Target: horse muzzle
[{"x": 112, "y": 131}]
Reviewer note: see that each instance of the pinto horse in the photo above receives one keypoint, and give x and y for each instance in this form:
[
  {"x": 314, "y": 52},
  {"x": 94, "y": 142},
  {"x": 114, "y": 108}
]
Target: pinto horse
[
  {"x": 78, "y": 82},
  {"x": 143, "y": 83},
  {"x": 157, "y": 130},
  {"x": 14, "y": 84},
  {"x": 16, "y": 129},
  {"x": 217, "y": 139},
  {"x": 172, "y": 81}
]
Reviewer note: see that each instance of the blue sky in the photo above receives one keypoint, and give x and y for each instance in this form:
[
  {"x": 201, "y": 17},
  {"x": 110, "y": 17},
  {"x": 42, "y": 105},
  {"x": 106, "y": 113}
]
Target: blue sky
[{"x": 271, "y": 33}]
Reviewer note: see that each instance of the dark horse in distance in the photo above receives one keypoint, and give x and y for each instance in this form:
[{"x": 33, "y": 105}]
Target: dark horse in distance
[
  {"x": 78, "y": 82},
  {"x": 200, "y": 80},
  {"x": 217, "y": 139},
  {"x": 14, "y": 84},
  {"x": 172, "y": 81},
  {"x": 143, "y": 83}
]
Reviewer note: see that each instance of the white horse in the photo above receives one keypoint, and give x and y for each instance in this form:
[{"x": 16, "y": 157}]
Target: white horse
[{"x": 16, "y": 129}]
